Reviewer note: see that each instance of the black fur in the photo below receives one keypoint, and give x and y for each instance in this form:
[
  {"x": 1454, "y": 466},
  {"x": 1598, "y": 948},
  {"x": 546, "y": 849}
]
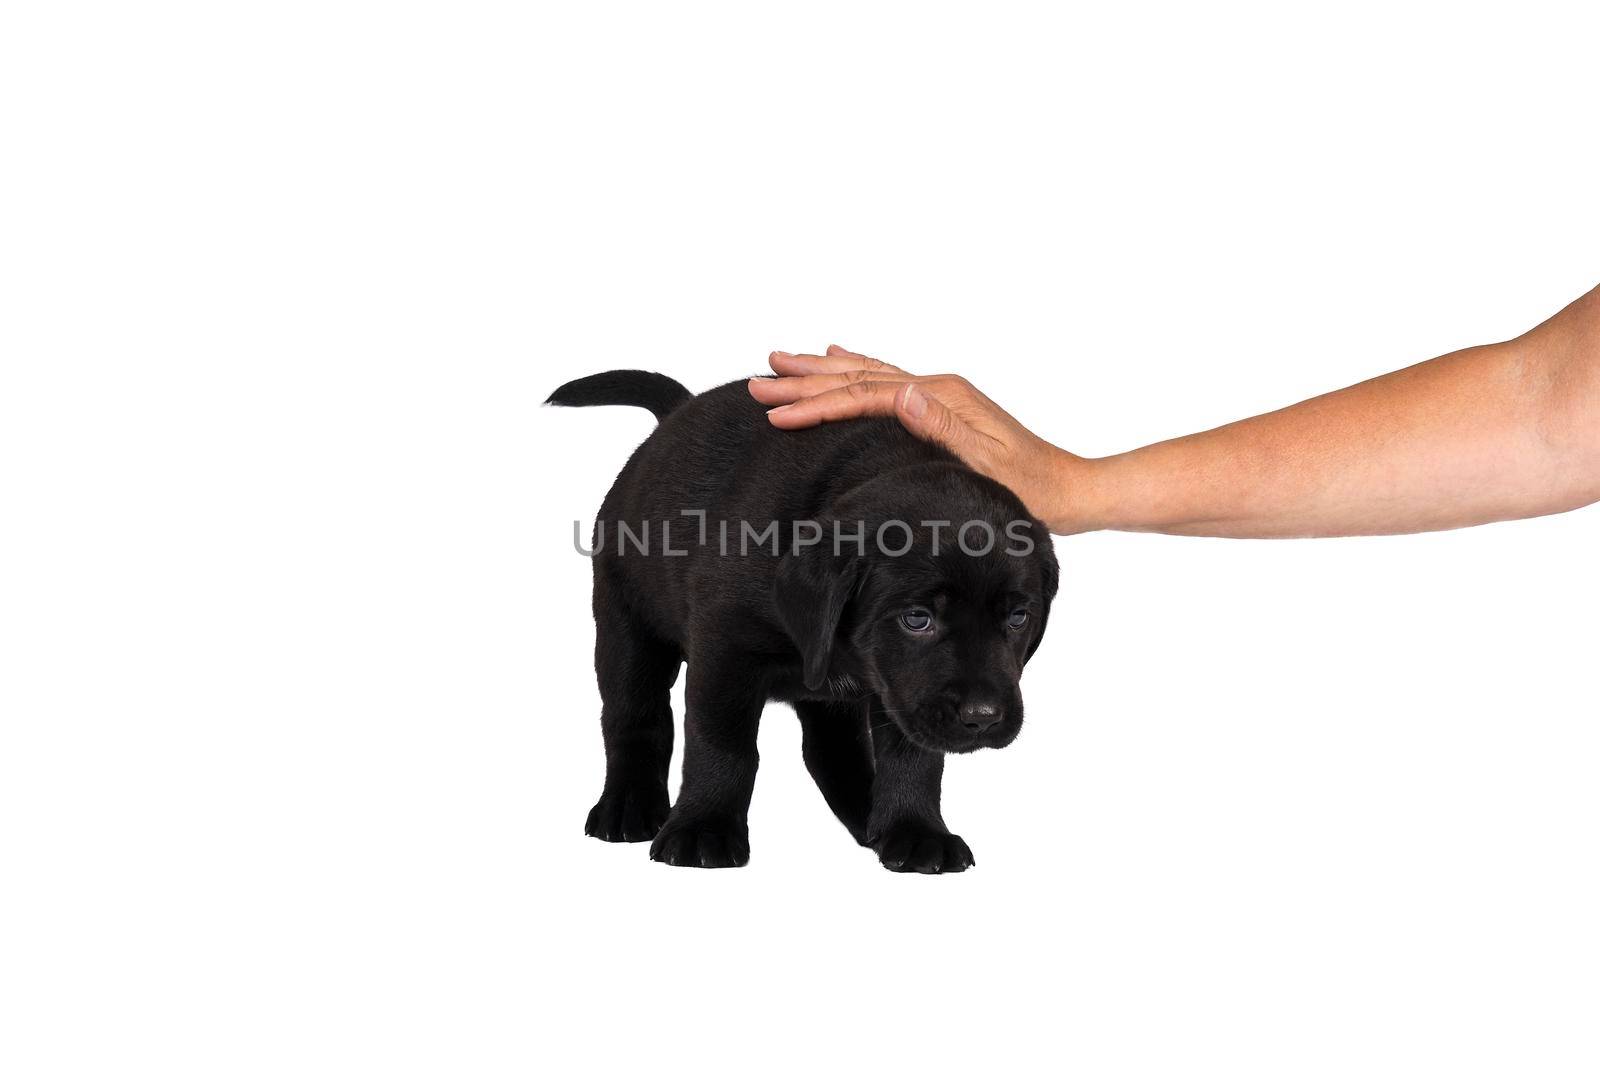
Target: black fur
[
  {"x": 879, "y": 703},
  {"x": 630, "y": 388}
]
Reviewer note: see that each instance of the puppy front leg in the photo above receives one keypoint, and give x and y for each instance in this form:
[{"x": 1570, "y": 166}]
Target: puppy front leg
[
  {"x": 906, "y": 828},
  {"x": 708, "y": 826}
]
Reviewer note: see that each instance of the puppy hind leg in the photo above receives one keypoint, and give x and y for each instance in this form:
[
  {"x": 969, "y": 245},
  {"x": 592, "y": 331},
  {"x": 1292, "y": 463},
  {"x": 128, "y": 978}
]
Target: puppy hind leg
[
  {"x": 636, "y": 670},
  {"x": 837, "y": 747}
]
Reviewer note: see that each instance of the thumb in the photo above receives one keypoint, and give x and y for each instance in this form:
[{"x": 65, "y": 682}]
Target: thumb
[{"x": 922, "y": 413}]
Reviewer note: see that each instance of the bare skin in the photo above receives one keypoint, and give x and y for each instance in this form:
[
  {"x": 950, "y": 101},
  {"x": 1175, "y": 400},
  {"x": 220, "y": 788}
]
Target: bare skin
[{"x": 1503, "y": 431}]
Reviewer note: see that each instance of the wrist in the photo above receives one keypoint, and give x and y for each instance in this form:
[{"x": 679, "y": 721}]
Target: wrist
[{"x": 1081, "y": 497}]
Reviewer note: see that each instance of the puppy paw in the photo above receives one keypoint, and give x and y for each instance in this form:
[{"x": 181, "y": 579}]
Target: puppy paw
[
  {"x": 632, "y": 813},
  {"x": 696, "y": 843},
  {"x": 912, "y": 848}
]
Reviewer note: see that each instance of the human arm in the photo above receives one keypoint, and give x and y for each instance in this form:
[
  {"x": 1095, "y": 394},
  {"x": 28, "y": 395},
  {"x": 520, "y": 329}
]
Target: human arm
[{"x": 1502, "y": 431}]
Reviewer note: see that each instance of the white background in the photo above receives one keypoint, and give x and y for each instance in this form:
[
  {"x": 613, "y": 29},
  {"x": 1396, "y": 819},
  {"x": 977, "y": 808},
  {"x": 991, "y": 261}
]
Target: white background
[{"x": 299, "y": 722}]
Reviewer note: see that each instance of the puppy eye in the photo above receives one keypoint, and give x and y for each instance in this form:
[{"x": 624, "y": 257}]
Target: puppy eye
[
  {"x": 916, "y": 620},
  {"x": 1018, "y": 619}
]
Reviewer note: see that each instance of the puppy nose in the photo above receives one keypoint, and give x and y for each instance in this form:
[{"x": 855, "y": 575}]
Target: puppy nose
[{"x": 980, "y": 717}]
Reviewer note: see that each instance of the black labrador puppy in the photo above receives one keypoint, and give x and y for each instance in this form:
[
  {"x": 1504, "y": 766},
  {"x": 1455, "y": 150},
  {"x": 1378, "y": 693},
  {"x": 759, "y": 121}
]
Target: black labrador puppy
[{"x": 869, "y": 578}]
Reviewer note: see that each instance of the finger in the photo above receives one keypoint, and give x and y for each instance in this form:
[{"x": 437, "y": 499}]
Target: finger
[
  {"x": 841, "y": 352},
  {"x": 848, "y": 402},
  {"x": 917, "y": 409},
  {"x": 788, "y": 390},
  {"x": 924, "y": 415},
  {"x": 836, "y": 362}
]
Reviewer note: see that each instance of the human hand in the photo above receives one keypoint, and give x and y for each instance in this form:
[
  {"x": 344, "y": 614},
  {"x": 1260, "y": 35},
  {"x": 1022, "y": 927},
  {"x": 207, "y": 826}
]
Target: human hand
[{"x": 945, "y": 409}]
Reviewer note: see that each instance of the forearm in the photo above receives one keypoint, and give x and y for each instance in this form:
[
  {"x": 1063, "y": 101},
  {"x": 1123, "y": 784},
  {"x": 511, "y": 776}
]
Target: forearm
[{"x": 1499, "y": 432}]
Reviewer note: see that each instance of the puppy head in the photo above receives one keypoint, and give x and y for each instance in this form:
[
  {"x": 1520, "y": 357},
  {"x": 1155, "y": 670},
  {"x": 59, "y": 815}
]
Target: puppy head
[{"x": 938, "y": 623}]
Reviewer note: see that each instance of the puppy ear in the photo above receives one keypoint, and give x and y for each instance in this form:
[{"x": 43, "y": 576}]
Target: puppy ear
[
  {"x": 812, "y": 590},
  {"x": 1050, "y": 581}
]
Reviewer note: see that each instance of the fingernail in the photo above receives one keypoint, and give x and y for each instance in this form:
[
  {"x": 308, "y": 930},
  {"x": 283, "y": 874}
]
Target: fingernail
[
  {"x": 781, "y": 407},
  {"x": 783, "y": 353},
  {"x": 916, "y": 403}
]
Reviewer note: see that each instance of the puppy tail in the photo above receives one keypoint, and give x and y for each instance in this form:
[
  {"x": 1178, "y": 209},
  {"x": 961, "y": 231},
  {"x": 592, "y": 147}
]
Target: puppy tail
[{"x": 629, "y": 388}]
